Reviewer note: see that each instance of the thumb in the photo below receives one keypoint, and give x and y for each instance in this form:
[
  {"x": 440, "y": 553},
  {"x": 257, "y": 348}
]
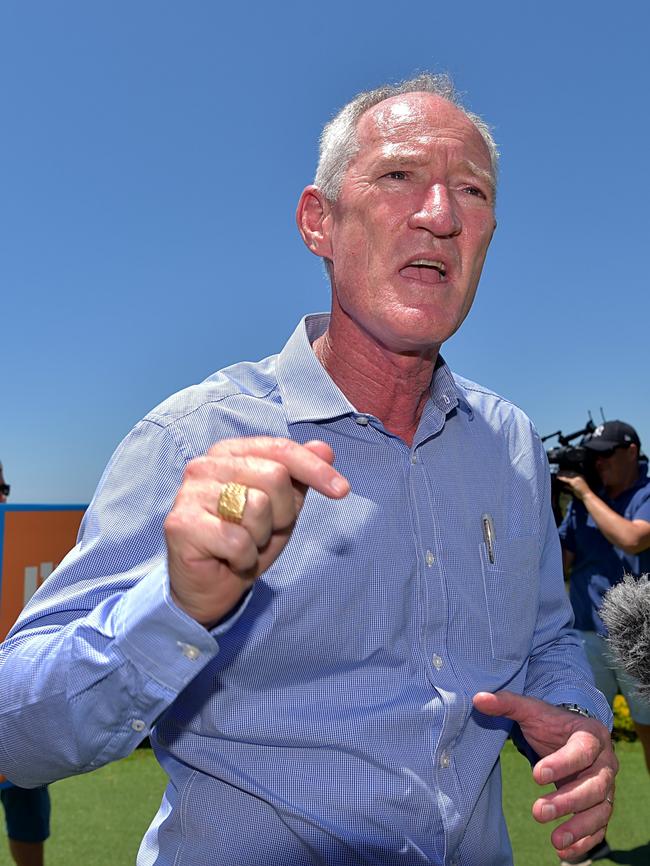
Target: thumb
[{"x": 507, "y": 704}]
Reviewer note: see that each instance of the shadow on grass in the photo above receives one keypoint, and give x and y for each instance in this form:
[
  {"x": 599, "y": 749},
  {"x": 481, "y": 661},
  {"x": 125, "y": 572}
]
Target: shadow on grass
[{"x": 634, "y": 857}]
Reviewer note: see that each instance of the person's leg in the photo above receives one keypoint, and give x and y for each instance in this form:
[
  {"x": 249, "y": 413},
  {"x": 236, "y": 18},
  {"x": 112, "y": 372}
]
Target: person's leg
[
  {"x": 596, "y": 651},
  {"x": 643, "y": 732},
  {"x": 639, "y": 710},
  {"x": 27, "y": 853},
  {"x": 28, "y": 823}
]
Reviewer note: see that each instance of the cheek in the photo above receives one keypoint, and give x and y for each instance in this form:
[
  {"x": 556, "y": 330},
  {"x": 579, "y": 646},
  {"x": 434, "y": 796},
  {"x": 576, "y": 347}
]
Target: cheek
[{"x": 480, "y": 227}]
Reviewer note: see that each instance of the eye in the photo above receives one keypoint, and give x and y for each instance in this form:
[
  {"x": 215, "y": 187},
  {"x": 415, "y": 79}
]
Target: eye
[
  {"x": 474, "y": 190},
  {"x": 396, "y": 175}
]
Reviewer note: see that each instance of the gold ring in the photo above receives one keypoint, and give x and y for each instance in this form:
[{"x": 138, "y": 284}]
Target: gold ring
[{"x": 232, "y": 502}]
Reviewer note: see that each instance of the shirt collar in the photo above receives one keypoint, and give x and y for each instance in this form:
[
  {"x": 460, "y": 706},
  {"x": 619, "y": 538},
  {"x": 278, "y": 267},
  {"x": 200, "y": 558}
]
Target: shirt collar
[{"x": 309, "y": 394}]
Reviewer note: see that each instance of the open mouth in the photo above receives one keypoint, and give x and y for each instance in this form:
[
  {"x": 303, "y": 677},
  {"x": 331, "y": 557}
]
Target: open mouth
[{"x": 426, "y": 270}]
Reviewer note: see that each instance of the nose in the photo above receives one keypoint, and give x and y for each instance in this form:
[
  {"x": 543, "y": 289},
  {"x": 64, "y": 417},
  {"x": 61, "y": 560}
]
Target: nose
[{"x": 437, "y": 213}]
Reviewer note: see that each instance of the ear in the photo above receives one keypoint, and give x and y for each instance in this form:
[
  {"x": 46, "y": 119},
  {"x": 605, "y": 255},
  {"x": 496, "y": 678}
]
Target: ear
[{"x": 314, "y": 219}]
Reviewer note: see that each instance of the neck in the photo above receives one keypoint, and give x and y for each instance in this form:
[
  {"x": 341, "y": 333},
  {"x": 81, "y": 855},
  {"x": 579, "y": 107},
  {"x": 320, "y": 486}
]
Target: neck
[{"x": 391, "y": 386}]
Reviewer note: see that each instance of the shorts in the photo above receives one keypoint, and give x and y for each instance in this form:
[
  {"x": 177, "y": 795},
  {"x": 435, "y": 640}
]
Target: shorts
[
  {"x": 27, "y": 813},
  {"x": 611, "y": 679}
]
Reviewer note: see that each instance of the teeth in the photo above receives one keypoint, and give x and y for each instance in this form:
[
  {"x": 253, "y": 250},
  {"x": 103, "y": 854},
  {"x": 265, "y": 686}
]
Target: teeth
[{"x": 430, "y": 263}]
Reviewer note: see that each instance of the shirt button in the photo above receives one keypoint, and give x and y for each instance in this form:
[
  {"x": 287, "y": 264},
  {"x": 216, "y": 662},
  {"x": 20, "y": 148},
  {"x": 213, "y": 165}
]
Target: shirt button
[
  {"x": 414, "y": 458},
  {"x": 430, "y": 558},
  {"x": 445, "y": 760},
  {"x": 138, "y": 725},
  {"x": 361, "y": 419},
  {"x": 446, "y": 400},
  {"x": 190, "y": 652},
  {"x": 437, "y": 662}
]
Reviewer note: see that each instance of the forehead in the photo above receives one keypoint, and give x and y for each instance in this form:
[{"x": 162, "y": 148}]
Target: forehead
[{"x": 422, "y": 123}]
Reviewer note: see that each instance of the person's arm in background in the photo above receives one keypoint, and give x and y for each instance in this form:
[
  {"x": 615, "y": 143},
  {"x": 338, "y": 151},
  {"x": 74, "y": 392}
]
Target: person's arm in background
[{"x": 631, "y": 536}]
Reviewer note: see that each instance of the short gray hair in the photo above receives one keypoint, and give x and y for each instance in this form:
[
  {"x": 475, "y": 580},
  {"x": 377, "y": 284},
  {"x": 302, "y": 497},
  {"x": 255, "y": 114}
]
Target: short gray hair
[{"x": 339, "y": 143}]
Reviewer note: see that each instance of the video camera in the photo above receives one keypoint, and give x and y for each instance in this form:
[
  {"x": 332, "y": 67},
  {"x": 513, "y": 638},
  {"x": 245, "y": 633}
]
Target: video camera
[{"x": 566, "y": 457}]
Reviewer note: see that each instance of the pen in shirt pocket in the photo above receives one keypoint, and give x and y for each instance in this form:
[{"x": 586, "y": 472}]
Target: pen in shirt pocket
[{"x": 488, "y": 535}]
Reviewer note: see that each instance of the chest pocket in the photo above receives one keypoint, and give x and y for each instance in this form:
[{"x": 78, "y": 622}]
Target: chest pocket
[{"x": 511, "y": 586}]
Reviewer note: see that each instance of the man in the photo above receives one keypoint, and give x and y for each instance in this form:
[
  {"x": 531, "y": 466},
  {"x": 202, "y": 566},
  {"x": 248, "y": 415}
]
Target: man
[
  {"x": 605, "y": 535},
  {"x": 27, "y": 811},
  {"x": 357, "y": 542}
]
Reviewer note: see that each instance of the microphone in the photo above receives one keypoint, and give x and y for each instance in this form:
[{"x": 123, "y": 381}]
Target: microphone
[{"x": 626, "y": 613}]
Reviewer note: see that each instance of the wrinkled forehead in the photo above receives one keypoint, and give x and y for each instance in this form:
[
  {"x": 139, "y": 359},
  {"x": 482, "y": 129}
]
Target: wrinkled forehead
[{"x": 422, "y": 121}]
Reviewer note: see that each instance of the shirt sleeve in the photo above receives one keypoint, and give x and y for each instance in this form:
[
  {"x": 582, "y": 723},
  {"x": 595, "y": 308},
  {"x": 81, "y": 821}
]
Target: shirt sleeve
[
  {"x": 641, "y": 509},
  {"x": 101, "y": 650},
  {"x": 558, "y": 671}
]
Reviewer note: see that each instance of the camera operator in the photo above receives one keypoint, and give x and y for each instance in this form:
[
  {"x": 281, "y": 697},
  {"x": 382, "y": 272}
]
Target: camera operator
[{"x": 605, "y": 534}]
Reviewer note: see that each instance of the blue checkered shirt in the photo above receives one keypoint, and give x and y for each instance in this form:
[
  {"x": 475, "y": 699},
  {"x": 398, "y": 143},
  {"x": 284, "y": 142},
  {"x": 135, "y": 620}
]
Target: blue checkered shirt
[{"x": 329, "y": 720}]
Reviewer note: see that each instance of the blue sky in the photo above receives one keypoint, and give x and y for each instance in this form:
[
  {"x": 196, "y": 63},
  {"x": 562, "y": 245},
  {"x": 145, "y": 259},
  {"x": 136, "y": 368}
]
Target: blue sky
[{"x": 152, "y": 154}]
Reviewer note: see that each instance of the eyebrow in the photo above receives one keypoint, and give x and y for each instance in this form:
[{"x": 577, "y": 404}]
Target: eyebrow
[{"x": 415, "y": 157}]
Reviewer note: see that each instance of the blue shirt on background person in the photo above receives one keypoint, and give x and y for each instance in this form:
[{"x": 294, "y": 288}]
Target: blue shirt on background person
[
  {"x": 599, "y": 565},
  {"x": 328, "y": 583}
]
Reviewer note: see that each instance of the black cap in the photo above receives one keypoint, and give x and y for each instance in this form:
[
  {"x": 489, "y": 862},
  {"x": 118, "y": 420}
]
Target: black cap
[{"x": 612, "y": 434}]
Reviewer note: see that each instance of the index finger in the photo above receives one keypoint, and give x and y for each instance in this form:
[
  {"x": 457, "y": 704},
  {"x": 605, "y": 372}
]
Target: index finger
[
  {"x": 578, "y": 753},
  {"x": 312, "y": 467}
]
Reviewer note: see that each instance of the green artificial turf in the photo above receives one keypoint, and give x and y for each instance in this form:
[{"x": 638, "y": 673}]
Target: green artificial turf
[{"x": 99, "y": 819}]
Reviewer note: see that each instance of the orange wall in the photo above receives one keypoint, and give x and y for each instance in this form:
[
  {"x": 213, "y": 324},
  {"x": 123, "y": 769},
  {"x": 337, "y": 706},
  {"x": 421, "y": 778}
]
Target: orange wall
[{"x": 34, "y": 542}]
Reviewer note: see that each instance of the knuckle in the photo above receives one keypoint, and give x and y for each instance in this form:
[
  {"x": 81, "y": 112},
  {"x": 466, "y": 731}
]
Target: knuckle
[
  {"x": 239, "y": 545},
  {"x": 277, "y": 474},
  {"x": 590, "y": 747},
  {"x": 175, "y": 522},
  {"x": 282, "y": 444},
  {"x": 195, "y": 468},
  {"x": 258, "y": 505},
  {"x": 602, "y": 788}
]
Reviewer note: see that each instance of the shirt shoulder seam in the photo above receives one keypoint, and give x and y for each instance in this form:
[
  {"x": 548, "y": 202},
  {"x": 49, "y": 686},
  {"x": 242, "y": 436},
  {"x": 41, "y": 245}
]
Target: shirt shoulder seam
[{"x": 164, "y": 422}]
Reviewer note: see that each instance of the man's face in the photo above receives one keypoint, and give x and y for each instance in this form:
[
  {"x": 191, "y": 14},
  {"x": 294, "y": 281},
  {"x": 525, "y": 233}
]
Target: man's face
[
  {"x": 411, "y": 227},
  {"x": 615, "y": 468}
]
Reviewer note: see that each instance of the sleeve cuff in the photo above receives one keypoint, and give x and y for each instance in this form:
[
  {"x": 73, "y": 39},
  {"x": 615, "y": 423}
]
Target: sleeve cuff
[{"x": 158, "y": 637}]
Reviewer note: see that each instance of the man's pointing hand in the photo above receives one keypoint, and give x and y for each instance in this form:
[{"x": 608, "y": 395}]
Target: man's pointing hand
[
  {"x": 576, "y": 754},
  {"x": 212, "y": 562}
]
